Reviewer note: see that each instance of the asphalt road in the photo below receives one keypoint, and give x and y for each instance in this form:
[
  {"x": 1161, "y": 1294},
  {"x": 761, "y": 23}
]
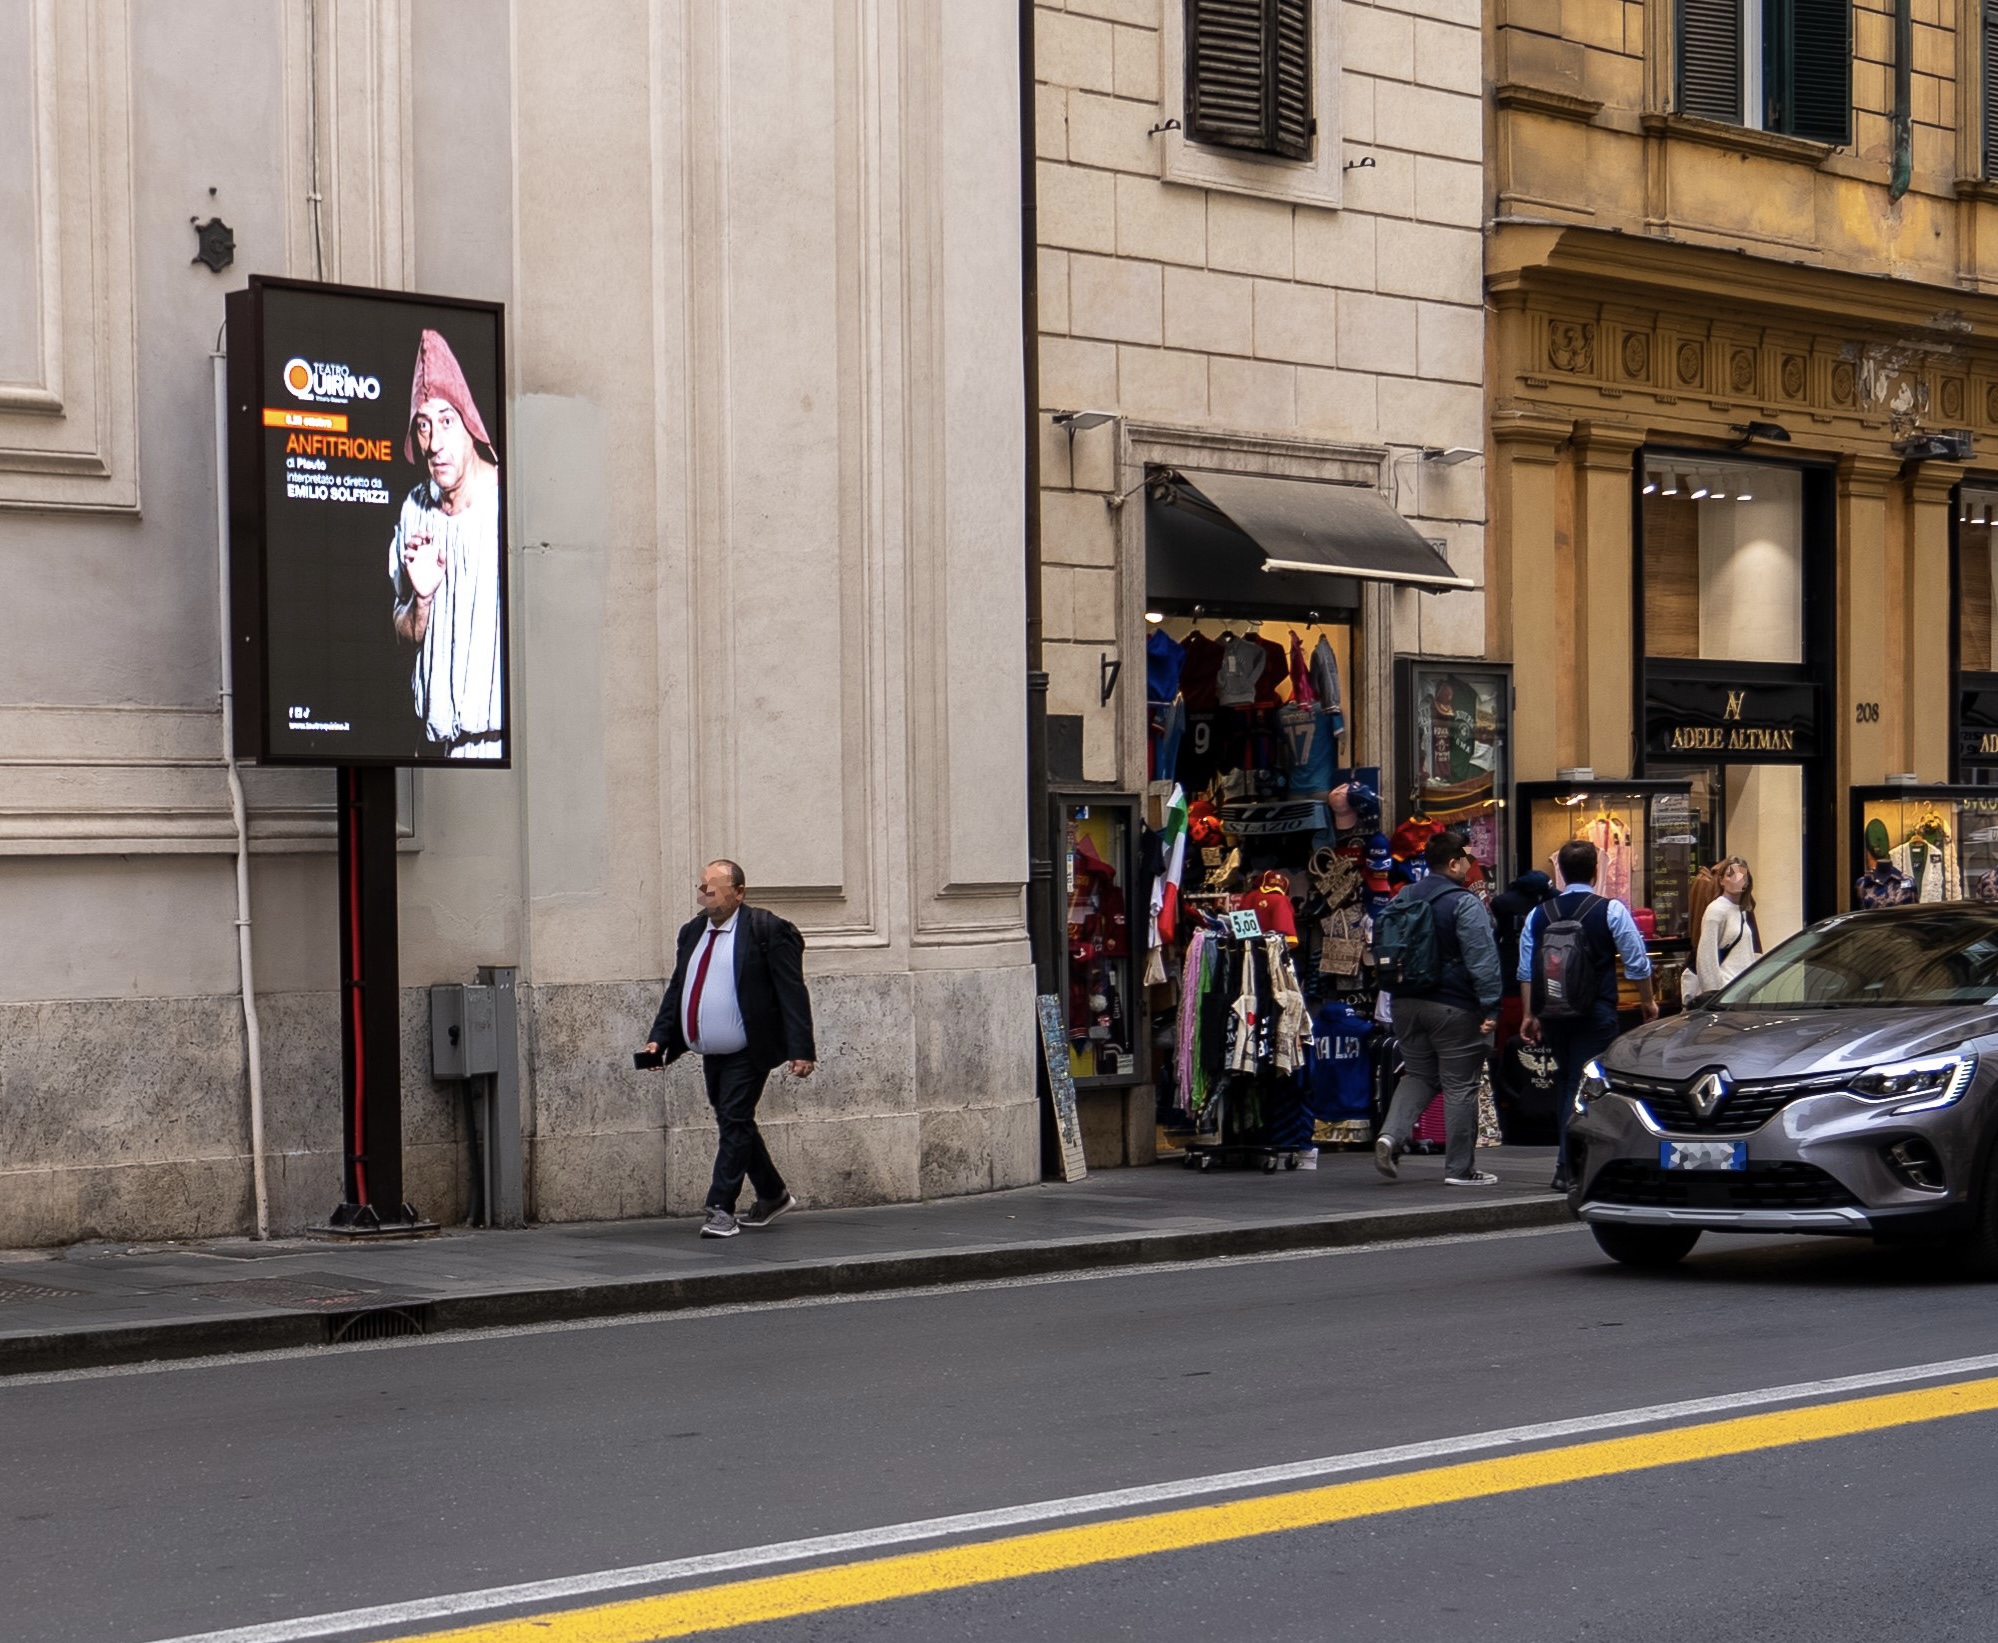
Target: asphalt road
[{"x": 169, "y": 1502}]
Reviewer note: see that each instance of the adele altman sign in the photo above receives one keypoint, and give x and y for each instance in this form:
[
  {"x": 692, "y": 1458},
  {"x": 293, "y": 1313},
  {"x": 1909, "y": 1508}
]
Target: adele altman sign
[{"x": 367, "y": 509}]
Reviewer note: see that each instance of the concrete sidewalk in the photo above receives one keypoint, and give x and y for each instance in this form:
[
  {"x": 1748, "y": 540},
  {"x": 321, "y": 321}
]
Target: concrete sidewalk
[{"x": 97, "y": 1304}]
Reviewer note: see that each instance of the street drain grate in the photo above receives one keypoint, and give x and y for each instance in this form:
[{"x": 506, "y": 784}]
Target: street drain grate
[
  {"x": 328, "y": 1291},
  {"x": 385, "y": 1323},
  {"x": 13, "y": 1290}
]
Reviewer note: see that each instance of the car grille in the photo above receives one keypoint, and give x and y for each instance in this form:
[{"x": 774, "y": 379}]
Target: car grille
[
  {"x": 1747, "y": 1106},
  {"x": 1760, "y": 1186}
]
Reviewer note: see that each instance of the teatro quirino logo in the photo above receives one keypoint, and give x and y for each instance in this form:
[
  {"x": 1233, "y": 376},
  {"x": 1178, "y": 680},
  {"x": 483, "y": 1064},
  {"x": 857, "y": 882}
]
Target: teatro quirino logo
[{"x": 321, "y": 383}]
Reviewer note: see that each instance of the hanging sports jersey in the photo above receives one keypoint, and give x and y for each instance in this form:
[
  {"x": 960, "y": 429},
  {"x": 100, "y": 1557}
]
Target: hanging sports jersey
[
  {"x": 1338, "y": 1073},
  {"x": 1164, "y": 657},
  {"x": 1311, "y": 746},
  {"x": 1213, "y": 741},
  {"x": 1200, "y": 662}
]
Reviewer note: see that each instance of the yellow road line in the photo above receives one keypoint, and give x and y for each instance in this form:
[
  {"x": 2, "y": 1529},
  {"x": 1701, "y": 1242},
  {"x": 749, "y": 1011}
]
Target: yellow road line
[{"x": 850, "y": 1585}]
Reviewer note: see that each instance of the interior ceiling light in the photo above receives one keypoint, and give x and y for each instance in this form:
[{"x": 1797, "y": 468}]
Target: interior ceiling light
[
  {"x": 1650, "y": 482},
  {"x": 1671, "y": 486},
  {"x": 1699, "y": 489}
]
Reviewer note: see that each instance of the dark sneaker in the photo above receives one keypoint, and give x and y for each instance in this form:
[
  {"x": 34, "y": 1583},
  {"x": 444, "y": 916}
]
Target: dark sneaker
[
  {"x": 765, "y": 1210},
  {"x": 719, "y": 1224},
  {"x": 1475, "y": 1178},
  {"x": 1387, "y": 1157},
  {"x": 1561, "y": 1183}
]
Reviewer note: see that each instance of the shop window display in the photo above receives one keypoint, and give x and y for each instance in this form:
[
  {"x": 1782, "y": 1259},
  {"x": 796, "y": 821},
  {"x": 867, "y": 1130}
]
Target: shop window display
[
  {"x": 1646, "y": 835},
  {"x": 1099, "y": 939},
  {"x": 1925, "y": 844},
  {"x": 1455, "y": 734}
]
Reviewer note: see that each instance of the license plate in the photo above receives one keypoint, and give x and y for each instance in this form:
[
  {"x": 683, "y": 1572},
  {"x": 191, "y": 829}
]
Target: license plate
[{"x": 1703, "y": 1155}]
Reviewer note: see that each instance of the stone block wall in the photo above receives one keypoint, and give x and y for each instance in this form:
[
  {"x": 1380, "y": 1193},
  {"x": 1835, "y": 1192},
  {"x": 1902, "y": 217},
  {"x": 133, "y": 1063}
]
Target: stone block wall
[{"x": 130, "y": 1120}]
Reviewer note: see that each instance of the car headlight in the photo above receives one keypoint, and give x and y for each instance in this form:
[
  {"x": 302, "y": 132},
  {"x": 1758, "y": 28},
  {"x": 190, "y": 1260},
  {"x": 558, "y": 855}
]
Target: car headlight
[
  {"x": 1921, "y": 1086},
  {"x": 1595, "y": 1082}
]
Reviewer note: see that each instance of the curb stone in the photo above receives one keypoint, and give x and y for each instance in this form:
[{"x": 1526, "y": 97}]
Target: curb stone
[{"x": 102, "y": 1347}]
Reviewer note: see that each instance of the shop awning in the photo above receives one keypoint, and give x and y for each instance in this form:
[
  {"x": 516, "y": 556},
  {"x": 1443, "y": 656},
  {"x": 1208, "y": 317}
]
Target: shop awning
[{"x": 1231, "y": 541}]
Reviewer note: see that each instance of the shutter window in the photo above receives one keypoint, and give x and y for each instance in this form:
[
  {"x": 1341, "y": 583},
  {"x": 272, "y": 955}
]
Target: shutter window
[
  {"x": 1248, "y": 75},
  {"x": 1989, "y": 80},
  {"x": 1710, "y": 67},
  {"x": 1810, "y": 94}
]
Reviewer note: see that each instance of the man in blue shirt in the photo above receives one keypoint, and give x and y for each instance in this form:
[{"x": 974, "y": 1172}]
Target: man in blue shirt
[{"x": 1611, "y": 934}]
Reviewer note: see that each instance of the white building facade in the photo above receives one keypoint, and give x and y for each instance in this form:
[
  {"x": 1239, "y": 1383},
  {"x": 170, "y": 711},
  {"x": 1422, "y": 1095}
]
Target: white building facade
[{"x": 766, "y": 418}]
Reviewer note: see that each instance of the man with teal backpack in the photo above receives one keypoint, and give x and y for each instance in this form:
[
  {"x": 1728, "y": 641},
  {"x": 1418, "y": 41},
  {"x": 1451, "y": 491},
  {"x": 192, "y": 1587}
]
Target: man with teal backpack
[{"x": 1435, "y": 954}]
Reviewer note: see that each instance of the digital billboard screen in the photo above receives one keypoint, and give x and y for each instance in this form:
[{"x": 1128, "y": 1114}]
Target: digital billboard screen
[{"x": 368, "y": 526}]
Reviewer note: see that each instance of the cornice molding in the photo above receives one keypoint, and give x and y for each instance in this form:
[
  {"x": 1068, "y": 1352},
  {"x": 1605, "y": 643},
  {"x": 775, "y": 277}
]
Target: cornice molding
[
  {"x": 1658, "y": 271},
  {"x": 1740, "y": 139},
  {"x": 1560, "y": 105}
]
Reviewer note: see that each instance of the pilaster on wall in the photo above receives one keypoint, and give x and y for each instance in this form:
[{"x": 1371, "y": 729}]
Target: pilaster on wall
[
  {"x": 1520, "y": 607},
  {"x": 1868, "y": 655},
  {"x": 347, "y": 126},
  {"x": 1601, "y": 538},
  {"x": 1926, "y": 615}
]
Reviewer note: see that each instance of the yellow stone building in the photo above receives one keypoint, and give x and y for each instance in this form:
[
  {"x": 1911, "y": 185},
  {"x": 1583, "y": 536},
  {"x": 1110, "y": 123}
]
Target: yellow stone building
[{"x": 1743, "y": 322}]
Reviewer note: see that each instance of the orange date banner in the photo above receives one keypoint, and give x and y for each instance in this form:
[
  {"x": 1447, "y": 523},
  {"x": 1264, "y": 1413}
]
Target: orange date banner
[{"x": 325, "y": 422}]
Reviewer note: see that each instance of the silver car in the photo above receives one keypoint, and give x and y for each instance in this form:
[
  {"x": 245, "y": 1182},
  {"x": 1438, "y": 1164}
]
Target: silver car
[{"x": 1844, "y": 1084}]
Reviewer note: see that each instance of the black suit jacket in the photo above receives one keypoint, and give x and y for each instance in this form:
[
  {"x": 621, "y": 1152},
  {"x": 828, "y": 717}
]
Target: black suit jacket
[{"x": 769, "y": 988}]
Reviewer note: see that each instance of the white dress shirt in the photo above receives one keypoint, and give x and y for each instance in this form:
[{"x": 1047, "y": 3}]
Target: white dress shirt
[{"x": 720, "y": 1030}]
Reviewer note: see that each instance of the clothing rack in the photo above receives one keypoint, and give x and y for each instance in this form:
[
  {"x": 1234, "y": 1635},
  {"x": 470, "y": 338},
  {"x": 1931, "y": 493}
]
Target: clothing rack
[{"x": 1247, "y": 1116}]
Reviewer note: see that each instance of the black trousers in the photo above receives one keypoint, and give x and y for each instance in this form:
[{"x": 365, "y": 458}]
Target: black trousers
[
  {"x": 735, "y": 1085},
  {"x": 1575, "y": 1044}
]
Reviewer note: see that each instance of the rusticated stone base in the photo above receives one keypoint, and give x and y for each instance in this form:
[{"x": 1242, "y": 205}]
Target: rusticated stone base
[{"x": 129, "y": 1119}]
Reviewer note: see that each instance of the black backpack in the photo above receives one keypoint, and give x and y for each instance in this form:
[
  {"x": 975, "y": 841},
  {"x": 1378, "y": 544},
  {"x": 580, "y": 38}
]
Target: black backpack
[
  {"x": 1407, "y": 955},
  {"x": 1567, "y": 981}
]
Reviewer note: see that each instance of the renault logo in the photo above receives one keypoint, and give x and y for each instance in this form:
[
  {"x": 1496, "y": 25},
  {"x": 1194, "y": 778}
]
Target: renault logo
[{"x": 1709, "y": 1091}]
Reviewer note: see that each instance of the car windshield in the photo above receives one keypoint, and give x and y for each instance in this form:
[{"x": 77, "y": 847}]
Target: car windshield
[{"x": 1857, "y": 961}]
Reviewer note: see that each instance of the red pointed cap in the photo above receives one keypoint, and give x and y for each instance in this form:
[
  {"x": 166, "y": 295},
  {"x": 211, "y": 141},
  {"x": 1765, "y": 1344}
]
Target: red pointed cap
[{"x": 438, "y": 377}]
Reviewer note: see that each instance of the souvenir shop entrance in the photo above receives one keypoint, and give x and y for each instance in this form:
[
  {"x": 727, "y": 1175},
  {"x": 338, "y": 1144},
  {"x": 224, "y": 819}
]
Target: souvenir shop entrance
[{"x": 1272, "y": 849}]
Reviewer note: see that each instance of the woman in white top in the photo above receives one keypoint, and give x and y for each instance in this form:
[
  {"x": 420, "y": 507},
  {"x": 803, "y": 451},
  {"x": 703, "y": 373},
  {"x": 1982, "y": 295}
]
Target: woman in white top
[{"x": 1729, "y": 940}]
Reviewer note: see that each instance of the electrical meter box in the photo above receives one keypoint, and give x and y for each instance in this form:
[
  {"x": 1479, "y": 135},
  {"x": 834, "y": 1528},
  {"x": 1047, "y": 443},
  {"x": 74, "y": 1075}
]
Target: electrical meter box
[{"x": 464, "y": 1036}]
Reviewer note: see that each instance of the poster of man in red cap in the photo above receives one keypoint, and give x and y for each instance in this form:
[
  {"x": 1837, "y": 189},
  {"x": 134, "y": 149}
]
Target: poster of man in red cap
[
  {"x": 444, "y": 561},
  {"x": 368, "y": 526}
]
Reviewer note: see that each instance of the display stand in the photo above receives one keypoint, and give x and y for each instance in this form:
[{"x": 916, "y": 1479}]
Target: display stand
[{"x": 370, "y": 1014}]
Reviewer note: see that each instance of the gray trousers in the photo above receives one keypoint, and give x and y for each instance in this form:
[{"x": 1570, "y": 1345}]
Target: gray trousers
[{"x": 1442, "y": 1049}]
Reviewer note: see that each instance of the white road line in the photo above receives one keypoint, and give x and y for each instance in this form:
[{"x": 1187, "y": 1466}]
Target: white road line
[
  {"x": 564, "y": 1590},
  {"x": 475, "y": 1337}
]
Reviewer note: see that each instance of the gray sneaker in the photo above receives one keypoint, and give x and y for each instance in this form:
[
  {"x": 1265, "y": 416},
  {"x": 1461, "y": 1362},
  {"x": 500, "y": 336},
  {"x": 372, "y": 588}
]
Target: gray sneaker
[
  {"x": 765, "y": 1210},
  {"x": 1387, "y": 1157},
  {"x": 719, "y": 1224},
  {"x": 1476, "y": 1178}
]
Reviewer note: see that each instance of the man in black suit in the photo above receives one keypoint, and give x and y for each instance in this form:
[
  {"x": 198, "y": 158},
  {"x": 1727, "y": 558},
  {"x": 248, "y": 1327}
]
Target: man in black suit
[{"x": 737, "y": 1000}]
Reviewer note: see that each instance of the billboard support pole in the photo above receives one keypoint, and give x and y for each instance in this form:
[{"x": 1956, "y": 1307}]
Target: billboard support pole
[{"x": 370, "y": 1012}]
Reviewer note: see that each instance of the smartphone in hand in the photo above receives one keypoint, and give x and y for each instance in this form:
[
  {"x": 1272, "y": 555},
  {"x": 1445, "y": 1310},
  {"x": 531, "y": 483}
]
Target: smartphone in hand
[{"x": 645, "y": 1061}]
